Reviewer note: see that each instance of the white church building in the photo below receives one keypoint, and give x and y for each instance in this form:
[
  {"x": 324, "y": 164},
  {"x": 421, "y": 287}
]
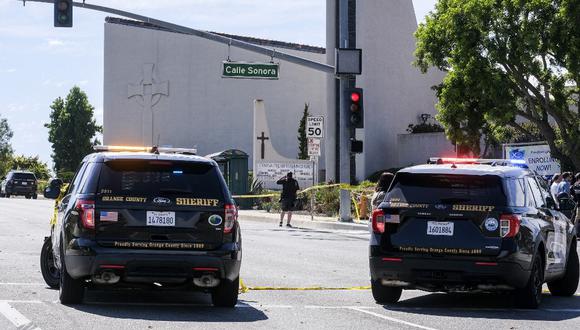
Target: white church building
[{"x": 166, "y": 88}]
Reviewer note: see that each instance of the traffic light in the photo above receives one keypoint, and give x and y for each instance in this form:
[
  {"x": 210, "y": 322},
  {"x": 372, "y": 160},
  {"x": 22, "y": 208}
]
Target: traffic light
[
  {"x": 63, "y": 13},
  {"x": 356, "y": 146},
  {"x": 354, "y": 97}
]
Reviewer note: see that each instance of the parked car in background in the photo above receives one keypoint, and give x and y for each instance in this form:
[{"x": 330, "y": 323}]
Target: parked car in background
[{"x": 19, "y": 183}]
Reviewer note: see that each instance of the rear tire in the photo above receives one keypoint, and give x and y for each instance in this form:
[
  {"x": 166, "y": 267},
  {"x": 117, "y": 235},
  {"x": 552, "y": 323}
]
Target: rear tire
[
  {"x": 7, "y": 196},
  {"x": 530, "y": 296},
  {"x": 35, "y": 196},
  {"x": 567, "y": 285},
  {"x": 71, "y": 291},
  {"x": 385, "y": 295},
  {"x": 49, "y": 271},
  {"x": 226, "y": 293}
]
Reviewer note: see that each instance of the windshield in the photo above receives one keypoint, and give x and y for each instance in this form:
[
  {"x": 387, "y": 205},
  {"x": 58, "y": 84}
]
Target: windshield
[
  {"x": 23, "y": 176},
  {"x": 160, "y": 178},
  {"x": 447, "y": 189}
]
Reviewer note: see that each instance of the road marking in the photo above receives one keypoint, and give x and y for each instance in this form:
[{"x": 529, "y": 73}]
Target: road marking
[
  {"x": 21, "y": 301},
  {"x": 392, "y": 319},
  {"x": 20, "y": 321}
]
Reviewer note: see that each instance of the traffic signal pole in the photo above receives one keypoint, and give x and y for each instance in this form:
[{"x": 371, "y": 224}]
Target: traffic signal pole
[
  {"x": 270, "y": 52},
  {"x": 344, "y": 117}
]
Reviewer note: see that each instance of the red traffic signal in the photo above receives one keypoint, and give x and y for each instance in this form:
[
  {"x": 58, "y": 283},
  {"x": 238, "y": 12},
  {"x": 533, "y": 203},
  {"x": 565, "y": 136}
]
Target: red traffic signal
[{"x": 354, "y": 97}]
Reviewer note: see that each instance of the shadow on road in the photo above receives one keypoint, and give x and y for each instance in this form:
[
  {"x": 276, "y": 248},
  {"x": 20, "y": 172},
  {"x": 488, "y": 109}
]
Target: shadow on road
[
  {"x": 165, "y": 306},
  {"x": 489, "y": 306}
]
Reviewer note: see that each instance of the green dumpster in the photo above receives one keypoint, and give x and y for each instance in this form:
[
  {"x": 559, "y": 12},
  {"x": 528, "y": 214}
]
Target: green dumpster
[{"x": 233, "y": 164}]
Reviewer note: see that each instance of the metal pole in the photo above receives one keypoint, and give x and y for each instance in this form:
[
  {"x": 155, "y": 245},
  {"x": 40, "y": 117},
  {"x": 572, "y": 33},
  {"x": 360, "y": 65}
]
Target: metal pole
[
  {"x": 270, "y": 52},
  {"x": 345, "y": 212}
]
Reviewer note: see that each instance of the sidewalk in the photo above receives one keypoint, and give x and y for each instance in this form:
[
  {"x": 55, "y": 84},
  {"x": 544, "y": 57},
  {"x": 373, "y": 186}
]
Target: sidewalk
[{"x": 301, "y": 220}]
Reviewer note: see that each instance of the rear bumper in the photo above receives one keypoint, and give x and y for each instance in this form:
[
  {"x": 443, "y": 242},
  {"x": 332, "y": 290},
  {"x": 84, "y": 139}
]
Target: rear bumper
[
  {"x": 20, "y": 190},
  {"x": 148, "y": 266},
  {"x": 448, "y": 275}
]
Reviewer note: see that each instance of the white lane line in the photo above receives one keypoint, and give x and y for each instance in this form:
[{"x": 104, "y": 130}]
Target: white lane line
[
  {"x": 20, "y": 321},
  {"x": 338, "y": 307},
  {"x": 392, "y": 319}
]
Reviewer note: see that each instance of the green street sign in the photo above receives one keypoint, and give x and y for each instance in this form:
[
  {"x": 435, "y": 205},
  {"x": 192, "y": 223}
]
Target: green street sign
[{"x": 246, "y": 70}]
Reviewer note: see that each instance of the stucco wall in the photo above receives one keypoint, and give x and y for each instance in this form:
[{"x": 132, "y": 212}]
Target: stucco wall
[
  {"x": 414, "y": 149},
  {"x": 202, "y": 109}
]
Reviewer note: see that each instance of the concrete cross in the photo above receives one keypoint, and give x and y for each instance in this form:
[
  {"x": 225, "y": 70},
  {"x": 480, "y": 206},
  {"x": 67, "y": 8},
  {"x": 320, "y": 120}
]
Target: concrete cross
[
  {"x": 148, "y": 92},
  {"x": 263, "y": 138}
]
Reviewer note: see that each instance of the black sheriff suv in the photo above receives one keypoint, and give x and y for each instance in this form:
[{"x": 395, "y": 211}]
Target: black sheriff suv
[
  {"x": 150, "y": 219},
  {"x": 472, "y": 226}
]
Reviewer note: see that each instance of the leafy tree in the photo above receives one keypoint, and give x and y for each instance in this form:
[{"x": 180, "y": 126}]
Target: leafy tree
[
  {"x": 5, "y": 146},
  {"x": 507, "y": 62},
  {"x": 32, "y": 164},
  {"x": 302, "y": 140},
  {"x": 71, "y": 130}
]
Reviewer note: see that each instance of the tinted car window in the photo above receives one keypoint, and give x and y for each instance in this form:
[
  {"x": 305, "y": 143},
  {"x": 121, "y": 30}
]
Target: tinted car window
[
  {"x": 515, "y": 191},
  {"x": 160, "y": 178},
  {"x": 23, "y": 176},
  {"x": 448, "y": 189},
  {"x": 535, "y": 192}
]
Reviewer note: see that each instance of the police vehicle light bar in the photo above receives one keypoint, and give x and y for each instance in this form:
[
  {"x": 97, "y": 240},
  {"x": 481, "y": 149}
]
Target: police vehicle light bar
[
  {"x": 154, "y": 149},
  {"x": 482, "y": 161}
]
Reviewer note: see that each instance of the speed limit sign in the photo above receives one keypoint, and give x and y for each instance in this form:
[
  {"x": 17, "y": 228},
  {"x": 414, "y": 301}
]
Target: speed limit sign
[{"x": 315, "y": 127}]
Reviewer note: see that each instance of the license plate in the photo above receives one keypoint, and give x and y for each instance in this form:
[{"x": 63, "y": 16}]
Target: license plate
[
  {"x": 24, "y": 183},
  {"x": 438, "y": 228},
  {"x": 156, "y": 218}
]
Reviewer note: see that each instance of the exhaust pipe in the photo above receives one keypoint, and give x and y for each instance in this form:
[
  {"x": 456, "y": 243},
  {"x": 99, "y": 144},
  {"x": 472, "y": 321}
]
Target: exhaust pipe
[
  {"x": 206, "y": 281},
  {"x": 106, "y": 277}
]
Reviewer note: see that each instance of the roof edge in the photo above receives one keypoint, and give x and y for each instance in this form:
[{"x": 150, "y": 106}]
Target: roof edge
[{"x": 252, "y": 40}]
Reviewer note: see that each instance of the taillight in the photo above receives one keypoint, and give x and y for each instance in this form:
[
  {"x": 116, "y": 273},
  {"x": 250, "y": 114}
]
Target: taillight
[
  {"x": 231, "y": 217},
  {"x": 509, "y": 225},
  {"x": 86, "y": 209},
  {"x": 378, "y": 221}
]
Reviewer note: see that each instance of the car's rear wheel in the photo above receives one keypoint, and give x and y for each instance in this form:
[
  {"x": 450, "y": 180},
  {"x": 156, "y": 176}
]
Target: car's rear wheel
[
  {"x": 226, "y": 293},
  {"x": 71, "y": 291},
  {"x": 7, "y": 196},
  {"x": 530, "y": 296},
  {"x": 567, "y": 285},
  {"x": 50, "y": 273},
  {"x": 384, "y": 294}
]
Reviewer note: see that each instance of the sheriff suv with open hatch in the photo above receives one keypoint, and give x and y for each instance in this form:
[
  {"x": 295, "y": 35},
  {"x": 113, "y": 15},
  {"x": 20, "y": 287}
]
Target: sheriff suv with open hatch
[
  {"x": 155, "y": 219},
  {"x": 472, "y": 226}
]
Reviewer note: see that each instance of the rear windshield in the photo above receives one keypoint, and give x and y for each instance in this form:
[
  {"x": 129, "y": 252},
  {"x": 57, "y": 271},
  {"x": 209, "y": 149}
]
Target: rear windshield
[
  {"x": 23, "y": 176},
  {"x": 447, "y": 189},
  {"x": 160, "y": 178}
]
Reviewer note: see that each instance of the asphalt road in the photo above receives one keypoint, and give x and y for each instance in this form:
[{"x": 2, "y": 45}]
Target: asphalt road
[{"x": 273, "y": 256}]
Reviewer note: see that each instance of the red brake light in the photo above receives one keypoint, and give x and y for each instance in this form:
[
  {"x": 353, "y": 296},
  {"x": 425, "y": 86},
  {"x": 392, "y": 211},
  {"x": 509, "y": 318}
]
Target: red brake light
[
  {"x": 231, "y": 213},
  {"x": 378, "y": 222},
  {"x": 509, "y": 225},
  {"x": 86, "y": 209}
]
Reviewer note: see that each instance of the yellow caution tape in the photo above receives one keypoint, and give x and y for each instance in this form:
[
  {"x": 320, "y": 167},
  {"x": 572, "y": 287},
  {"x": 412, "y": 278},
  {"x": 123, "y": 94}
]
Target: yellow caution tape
[
  {"x": 257, "y": 196},
  {"x": 323, "y": 186},
  {"x": 244, "y": 288}
]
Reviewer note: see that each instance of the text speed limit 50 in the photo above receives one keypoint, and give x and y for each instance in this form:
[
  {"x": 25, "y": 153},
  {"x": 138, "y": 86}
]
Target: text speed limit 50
[{"x": 315, "y": 127}]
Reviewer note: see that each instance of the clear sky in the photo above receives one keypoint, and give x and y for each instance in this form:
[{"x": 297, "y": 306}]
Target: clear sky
[{"x": 39, "y": 63}]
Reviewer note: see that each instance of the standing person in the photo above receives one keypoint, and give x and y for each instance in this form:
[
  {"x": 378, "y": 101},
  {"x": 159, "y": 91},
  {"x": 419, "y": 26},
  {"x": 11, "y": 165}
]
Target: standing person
[
  {"x": 288, "y": 197},
  {"x": 564, "y": 186},
  {"x": 556, "y": 179},
  {"x": 575, "y": 192},
  {"x": 381, "y": 189}
]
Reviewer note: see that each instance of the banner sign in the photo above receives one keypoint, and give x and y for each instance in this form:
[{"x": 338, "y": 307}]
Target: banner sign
[
  {"x": 270, "y": 172},
  {"x": 537, "y": 157}
]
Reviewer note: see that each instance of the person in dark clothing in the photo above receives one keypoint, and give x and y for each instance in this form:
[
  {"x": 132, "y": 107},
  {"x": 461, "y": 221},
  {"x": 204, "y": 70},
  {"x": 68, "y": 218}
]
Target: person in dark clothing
[
  {"x": 288, "y": 197},
  {"x": 381, "y": 189}
]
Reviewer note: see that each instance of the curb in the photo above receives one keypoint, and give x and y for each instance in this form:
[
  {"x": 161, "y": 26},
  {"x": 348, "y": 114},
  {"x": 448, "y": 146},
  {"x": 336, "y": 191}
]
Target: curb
[{"x": 273, "y": 218}]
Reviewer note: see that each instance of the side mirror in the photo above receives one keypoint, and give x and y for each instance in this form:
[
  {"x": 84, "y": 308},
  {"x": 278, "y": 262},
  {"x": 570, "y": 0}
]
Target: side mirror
[
  {"x": 566, "y": 204},
  {"x": 550, "y": 203},
  {"x": 52, "y": 191}
]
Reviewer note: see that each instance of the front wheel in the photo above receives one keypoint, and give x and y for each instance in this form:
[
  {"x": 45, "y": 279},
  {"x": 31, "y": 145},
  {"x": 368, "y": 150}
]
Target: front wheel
[
  {"x": 50, "y": 273},
  {"x": 385, "y": 294},
  {"x": 226, "y": 293},
  {"x": 530, "y": 296},
  {"x": 567, "y": 285}
]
